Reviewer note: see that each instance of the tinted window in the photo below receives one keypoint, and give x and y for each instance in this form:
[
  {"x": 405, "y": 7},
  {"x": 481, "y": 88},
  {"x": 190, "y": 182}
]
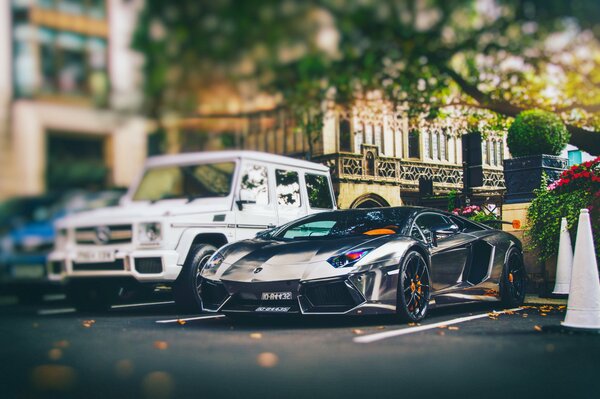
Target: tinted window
[
  {"x": 288, "y": 188},
  {"x": 255, "y": 184},
  {"x": 465, "y": 225},
  {"x": 429, "y": 220},
  {"x": 187, "y": 181},
  {"x": 311, "y": 229},
  {"x": 339, "y": 224},
  {"x": 319, "y": 195}
]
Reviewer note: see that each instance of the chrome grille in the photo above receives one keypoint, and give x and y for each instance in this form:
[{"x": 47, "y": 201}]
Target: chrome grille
[{"x": 104, "y": 235}]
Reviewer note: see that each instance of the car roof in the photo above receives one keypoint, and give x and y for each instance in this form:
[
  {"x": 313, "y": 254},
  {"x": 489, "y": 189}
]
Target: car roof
[{"x": 211, "y": 156}]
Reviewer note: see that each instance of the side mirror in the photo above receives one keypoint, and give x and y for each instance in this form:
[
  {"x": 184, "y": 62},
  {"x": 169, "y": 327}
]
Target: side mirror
[
  {"x": 442, "y": 230},
  {"x": 246, "y": 197}
]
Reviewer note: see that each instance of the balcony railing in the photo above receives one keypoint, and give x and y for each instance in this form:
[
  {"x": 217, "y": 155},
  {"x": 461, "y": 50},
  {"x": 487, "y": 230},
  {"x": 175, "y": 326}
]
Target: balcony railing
[{"x": 446, "y": 177}]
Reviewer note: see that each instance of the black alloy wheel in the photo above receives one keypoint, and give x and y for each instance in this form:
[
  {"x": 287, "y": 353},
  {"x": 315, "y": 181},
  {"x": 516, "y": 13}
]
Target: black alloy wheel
[
  {"x": 413, "y": 287},
  {"x": 187, "y": 286},
  {"x": 514, "y": 279}
]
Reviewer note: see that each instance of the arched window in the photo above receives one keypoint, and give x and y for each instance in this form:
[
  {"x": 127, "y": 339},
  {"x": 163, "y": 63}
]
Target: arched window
[
  {"x": 358, "y": 137},
  {"x": 414, "y": 150},
  {"x": 370, "y": 158},
  {"x": 443, "y": 146},
  {"x": 368, "y": 134},
  {"x": 379, "y": 140},
  {"x": 345, "y": 136}
]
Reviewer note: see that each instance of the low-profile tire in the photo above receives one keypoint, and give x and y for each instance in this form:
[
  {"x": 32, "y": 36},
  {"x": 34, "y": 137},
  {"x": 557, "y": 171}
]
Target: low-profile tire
[
  {"x": 513, "y": 280},
  {"x": 185, "y": 288},
  {"x": 91, "y": 295},
  {"x": 413, "y": 293}
]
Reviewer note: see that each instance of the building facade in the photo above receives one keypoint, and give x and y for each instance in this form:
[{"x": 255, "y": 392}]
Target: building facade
[
  {"x": 68, "y": 90},
  {"x": 376, "y": 155}
]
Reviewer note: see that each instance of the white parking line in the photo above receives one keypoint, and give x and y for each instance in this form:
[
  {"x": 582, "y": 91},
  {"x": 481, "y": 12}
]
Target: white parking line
[
  {"x": 46, "y": 312},
  {"x": 135, "y": 305},
  {"x": 215, "y": 316},
  {"x": 54, "y": 297},
  {"x": 366, "y": 339}
]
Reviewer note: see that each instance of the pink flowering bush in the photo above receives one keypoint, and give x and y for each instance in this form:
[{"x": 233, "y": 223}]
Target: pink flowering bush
[
  {"x": 577, "y": 188},
  {"x": 475, "y": 213}
]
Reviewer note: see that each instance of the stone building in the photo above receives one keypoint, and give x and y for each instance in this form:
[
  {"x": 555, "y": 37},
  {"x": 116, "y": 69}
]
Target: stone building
[
  {"x": 376, "y": 156},
  {"x": 68, "y": 84}
]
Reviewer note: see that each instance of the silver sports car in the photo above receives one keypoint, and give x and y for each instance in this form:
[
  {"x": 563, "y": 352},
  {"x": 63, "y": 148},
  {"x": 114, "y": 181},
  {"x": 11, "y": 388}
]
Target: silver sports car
[{"x": 399, "y": 260}]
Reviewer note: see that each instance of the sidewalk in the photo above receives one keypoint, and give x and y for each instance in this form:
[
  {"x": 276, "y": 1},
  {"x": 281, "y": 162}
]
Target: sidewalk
[{"x": 536, "y": 300}]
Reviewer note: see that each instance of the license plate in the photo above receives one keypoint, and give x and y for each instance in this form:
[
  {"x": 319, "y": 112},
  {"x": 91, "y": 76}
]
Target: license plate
[
  {"x": 95, "y": 256},
  {"x": 276, "y": 296},
  {"x": 272, "y": 309}
]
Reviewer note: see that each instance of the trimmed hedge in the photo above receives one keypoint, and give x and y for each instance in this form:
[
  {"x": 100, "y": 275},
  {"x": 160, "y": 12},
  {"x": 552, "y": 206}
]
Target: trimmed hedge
[{"x": 536, "y": 132}]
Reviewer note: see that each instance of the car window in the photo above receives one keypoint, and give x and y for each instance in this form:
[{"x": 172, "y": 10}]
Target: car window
[
  {"x": 288, "y": 188},
  {"x": 465, "y": 226},
  {"x": 319, "y": 195},
  {"x": 255, "y": 184},
  {"x": 416, "y": 234},
  {"x": 313, "y": 229},
  {"x": 428, "y": 220}
]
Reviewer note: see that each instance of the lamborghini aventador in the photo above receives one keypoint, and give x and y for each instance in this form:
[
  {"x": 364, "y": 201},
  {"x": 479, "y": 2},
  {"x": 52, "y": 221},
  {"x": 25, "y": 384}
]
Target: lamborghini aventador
[{"x": 400, "y": 260}]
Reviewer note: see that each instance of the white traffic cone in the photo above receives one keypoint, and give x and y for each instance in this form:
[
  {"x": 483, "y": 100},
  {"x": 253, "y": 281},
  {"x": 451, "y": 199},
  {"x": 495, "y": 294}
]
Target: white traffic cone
[
  {"x": 565, "y": 261},
  {"x": 583, "y": 307}
]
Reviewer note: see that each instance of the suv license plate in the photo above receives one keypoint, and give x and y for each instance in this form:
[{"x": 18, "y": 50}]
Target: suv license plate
[
  {"x": 95, "y": 256},
  {"x": 276, "y": 296}
]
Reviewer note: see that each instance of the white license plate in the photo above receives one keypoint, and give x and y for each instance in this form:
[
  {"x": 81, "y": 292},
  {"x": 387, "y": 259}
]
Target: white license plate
[
  {"x": 276, "y": 296},
  {"x": 272, "y": 309},
  {"x": 95, "y": 256}
]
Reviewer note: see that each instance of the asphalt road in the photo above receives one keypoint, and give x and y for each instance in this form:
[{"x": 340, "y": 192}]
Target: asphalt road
[{"x": 52, "y": 351}]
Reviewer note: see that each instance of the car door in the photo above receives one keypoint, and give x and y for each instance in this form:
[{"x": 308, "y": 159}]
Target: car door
[
  {"x": 290, "y": 205},
  {"x": 254, "y": 205},
  {"x": 449, "y": 253}
]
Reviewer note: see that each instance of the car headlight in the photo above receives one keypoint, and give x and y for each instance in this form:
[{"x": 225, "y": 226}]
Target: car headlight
[
  {"x": 349, "y": 258},
  {"x": 214, "y": 262},
  {"x": 61, "y": 238},
  {"x": 150, "y": 232}
]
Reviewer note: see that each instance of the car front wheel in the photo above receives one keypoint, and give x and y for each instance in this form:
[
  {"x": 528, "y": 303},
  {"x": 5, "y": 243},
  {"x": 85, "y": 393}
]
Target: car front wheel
[
  {"x": 187, "y": 285},
  {"x": 413, "y": 287}
]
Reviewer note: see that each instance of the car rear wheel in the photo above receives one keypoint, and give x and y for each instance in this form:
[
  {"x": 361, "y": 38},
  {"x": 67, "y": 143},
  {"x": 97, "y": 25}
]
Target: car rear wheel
[
  {"x": 91, "y": 295},
  {"x": 512, "y": 283},
  {"x": 413, "y": 287},
  {"x": 187, "y": 286}
]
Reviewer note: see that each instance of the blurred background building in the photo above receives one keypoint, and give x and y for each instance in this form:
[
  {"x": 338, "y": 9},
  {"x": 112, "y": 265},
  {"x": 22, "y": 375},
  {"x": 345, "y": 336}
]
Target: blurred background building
[{"x": 69, "y": 93}]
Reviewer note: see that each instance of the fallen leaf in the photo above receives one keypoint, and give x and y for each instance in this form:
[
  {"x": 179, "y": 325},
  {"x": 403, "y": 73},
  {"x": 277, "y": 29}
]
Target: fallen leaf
[
  {"x": 61, "y": 344},
  {"x": 55, "y": 354},
  {"x": 157, "y": 385},
  {"x": 161, "y": 345},
  {"x": 381, "y": 327},
  {"x": 412, "y": 324},
  {"x": 537, "y": 328},
  {"x": 267, "y": 360},
  {"x": 256, "y": 335},
  {"x": 543, "y": 314},
  {"x": 53, "y": 377},
  {"x": 453, "y": 328},
  {"x": 525, "y": 315},
  {"x": 358, "y": 331},
  {"x": 443, "y": 326},
  {"x": 181, "y": 322},
  {"x": 88, "y": 323},
  {"x": 124, "y": 368}
]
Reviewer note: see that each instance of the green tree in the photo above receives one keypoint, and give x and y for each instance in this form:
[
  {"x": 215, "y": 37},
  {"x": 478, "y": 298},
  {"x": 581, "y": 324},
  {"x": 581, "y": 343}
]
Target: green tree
[{"x": 428, "y": 55}]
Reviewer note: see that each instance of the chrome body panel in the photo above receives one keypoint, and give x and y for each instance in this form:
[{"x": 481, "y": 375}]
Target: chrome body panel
[{"x": 465, "y": 267}]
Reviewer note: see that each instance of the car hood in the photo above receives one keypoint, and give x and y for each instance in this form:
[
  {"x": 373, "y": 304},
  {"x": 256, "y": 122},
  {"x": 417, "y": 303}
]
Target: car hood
[{"x": 287, "y": 260}]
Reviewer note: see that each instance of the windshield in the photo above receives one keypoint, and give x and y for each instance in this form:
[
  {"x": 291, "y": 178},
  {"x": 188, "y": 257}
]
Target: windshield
[
  {"x": 186, "y": 181},
  {"x": 338, "y": 224}
]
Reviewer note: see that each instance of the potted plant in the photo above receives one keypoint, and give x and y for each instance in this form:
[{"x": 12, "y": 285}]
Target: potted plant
[{"x": 535, "y": 139}]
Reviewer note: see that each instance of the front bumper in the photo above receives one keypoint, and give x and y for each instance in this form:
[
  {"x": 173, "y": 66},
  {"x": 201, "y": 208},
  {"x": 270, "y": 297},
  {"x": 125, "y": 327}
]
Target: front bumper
[
  {"x": 156, "y": 265},
  {"x": 326, "y": 296}
]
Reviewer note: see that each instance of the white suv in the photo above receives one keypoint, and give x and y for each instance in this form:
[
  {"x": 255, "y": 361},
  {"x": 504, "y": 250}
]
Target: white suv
[{"x": 181, "y": 209}]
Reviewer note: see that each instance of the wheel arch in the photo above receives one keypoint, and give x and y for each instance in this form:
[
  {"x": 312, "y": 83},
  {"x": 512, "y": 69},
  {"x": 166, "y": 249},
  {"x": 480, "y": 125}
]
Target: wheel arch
[{"x": 192, "y": 238}]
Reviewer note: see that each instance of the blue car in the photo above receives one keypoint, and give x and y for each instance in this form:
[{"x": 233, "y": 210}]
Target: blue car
[{"x": 23, "y": 249}]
